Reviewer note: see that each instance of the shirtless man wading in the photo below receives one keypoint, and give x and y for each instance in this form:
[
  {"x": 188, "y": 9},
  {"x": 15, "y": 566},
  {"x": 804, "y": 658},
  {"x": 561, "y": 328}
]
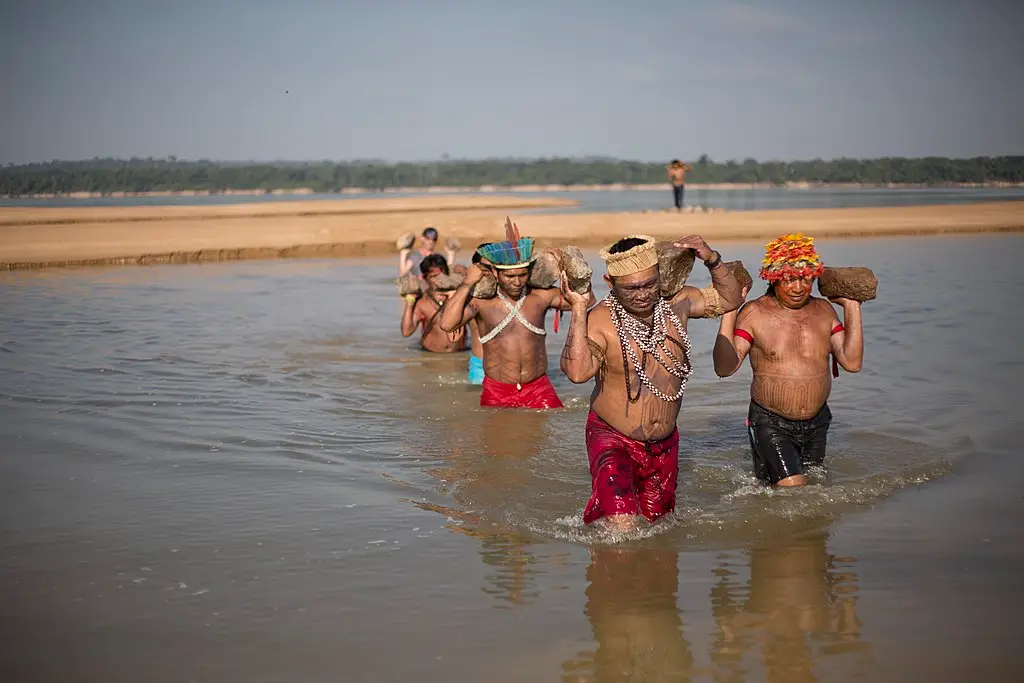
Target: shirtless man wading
[
  {"x": 636, "y": 346},
  {"x": 789, "y": 336},
  {"x": 427, "y": 311},
  {"x": 511, "y": 325}
]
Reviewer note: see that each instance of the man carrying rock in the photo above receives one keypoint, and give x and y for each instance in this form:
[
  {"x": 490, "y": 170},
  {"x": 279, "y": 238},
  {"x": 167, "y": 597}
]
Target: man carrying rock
[
  {"x": 426, "y": 310},
  {"x": 637, "y": 347},
  {"x": 409, "y": 259},
  {"x": 511, "y": 325},
  {"x": 789, "y": 336}
]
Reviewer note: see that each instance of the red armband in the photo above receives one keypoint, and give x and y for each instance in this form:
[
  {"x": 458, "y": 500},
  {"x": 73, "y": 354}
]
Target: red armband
[
  {"x": 744, "y": 334},
  {"x": 835, "y": 362}
]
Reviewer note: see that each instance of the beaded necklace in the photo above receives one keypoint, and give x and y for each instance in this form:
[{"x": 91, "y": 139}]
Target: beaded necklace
[
  {"x": 651, "y": 340},
  {"x": 514, "y": 313}
]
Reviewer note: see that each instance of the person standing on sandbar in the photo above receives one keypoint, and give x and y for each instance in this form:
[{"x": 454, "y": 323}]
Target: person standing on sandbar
[
  {"x": 637, "y": 347},
  {"x": 677, "y": 176}
]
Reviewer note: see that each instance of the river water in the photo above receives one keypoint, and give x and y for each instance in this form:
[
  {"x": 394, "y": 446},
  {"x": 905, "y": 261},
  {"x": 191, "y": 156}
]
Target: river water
[
  {"x": 242, "y": 472},
  {"x": 762, "y": 199}
]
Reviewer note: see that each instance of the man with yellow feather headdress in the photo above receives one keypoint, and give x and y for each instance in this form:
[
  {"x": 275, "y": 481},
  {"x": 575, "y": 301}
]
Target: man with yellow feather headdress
[
  {"x": 637, "y": 348},
  {"x": 789, "y": 336}
]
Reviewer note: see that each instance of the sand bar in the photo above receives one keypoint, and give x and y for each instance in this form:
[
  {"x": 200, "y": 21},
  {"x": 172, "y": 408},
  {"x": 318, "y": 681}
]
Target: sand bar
[
  {"x": 79, "y": 237},
  {"x": 18, "y": 215}
]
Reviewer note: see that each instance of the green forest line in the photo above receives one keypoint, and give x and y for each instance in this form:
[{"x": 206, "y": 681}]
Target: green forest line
[{"x": 168, "y": 175}]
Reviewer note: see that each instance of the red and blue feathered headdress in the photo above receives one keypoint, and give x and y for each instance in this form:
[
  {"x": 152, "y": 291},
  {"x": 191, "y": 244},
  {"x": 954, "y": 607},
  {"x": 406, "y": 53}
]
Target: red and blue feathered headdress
[{"x": 514, "y": 252}]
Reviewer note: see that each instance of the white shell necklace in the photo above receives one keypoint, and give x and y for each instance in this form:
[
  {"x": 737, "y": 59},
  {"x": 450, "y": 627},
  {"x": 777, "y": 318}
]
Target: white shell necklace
[
  {"x": 651, "y": 340},
  {"x": 514, "y": 312}
]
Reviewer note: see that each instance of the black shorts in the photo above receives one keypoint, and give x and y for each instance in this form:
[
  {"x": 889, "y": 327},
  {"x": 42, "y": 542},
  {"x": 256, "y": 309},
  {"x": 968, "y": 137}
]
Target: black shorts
[
  {"x": 782, "y": 447},
  {"x": 678, "y": 193}
]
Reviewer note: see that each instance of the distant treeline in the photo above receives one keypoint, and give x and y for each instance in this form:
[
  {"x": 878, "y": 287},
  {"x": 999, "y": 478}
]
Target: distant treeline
[{"x": 149, "y": 175}]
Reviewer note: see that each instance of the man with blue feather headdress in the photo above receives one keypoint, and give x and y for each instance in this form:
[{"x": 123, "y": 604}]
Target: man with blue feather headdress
[{"x": 511, "y": 325}]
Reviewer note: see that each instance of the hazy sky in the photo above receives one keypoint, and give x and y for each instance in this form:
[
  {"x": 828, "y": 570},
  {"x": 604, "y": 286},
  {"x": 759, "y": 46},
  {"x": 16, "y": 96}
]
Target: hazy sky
[{"x": 787, "y": 79}]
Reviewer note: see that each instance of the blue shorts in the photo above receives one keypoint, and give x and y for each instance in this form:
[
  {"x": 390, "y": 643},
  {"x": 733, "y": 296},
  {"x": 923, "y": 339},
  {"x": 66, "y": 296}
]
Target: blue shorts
[{"x": 476, "y": 370}]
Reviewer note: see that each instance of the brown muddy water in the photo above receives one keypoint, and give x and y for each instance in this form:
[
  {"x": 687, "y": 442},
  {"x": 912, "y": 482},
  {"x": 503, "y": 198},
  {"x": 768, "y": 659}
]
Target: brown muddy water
[{"x": 242, "y": 472}]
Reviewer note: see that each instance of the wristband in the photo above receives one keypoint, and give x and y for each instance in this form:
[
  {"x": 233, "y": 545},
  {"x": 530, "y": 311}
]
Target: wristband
[{"x": 715, "y": 262}]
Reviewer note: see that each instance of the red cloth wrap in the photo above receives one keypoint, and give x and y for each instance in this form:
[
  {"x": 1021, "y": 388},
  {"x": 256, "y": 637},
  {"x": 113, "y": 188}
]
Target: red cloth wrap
[
  {"x": 630, "y": 477},
  {"x": 536, "y": 394},
  {"x": 744, "y": 334}
]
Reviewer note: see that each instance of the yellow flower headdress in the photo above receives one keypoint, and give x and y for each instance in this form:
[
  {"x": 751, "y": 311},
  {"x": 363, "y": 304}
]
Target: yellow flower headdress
[{"x": 791, "y": 256}]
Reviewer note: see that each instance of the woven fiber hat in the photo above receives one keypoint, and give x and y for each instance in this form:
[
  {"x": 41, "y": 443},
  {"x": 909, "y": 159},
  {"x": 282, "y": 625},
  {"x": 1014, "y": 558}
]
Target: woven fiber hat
[{"x": 638, "y": 258}]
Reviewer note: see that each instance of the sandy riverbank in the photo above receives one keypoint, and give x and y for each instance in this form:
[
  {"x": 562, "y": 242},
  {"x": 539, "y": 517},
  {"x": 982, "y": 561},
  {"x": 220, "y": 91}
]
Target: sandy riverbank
[
  {"x": 11, "y": 216},
  {"x": 36, "y": 238}
]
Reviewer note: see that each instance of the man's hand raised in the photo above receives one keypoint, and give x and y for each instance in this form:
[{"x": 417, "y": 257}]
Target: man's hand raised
[
  {"x": 475, "y": 273},
  {"x": 697, "y": 243}
]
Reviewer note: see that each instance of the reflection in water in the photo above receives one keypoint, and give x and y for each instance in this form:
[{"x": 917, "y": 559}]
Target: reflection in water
[
  {"x": 513, "y": 579},
  {"x": 798, "y": 605},
  {"x": 516, "y": 436},
  {"x": 631, "y": 606},
  {"x": 484, "y": 476}
]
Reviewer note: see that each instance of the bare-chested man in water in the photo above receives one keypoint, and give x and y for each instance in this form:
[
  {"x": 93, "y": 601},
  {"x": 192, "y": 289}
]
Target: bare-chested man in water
[
  {"x": 511, "y": 325},
  {"x": 637, "y": 347},
  {"x": 426, "y": 310},
  {"x": 789, "y": 335}
]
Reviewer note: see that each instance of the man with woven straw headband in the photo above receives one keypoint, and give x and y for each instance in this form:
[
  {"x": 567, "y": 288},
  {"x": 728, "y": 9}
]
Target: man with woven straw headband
[
  {"x": 789, "y": 336},
  {"x": 637, "y": 348},
  {"x": 511, "y": 325}
]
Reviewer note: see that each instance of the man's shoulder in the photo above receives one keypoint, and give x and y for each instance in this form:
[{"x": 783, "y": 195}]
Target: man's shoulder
[
  {"x": 599, "y": 320},
  {"x": 685, "y": 293},
  {"x": 823, "y": 306},
  {"x": 755, "y": 312},
  {"x": 755, "y": 307},
  {"x": 546, "y": 294},
  {"x": 599, "y": 313}
]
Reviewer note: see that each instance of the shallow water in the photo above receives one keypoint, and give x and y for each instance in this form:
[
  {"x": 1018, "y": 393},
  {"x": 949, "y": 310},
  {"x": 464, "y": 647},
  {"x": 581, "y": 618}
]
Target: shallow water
[
  {"x": 241, "y": 471},
  {"x": 762, "y": 199}
]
